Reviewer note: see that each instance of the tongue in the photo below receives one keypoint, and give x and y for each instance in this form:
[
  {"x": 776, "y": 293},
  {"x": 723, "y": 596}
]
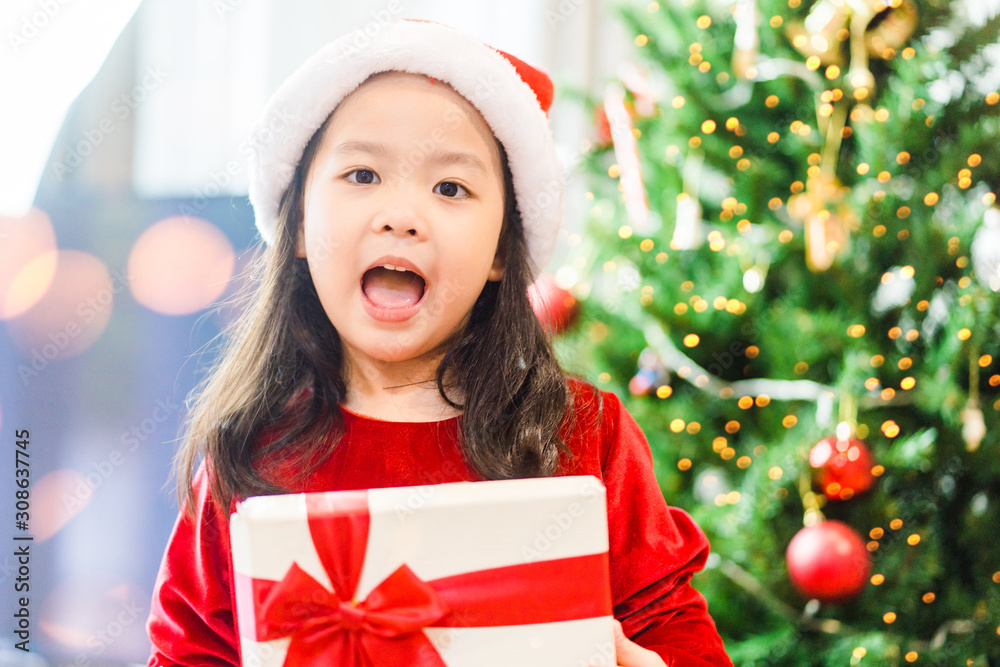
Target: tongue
[{"x": 392, "y": 289}]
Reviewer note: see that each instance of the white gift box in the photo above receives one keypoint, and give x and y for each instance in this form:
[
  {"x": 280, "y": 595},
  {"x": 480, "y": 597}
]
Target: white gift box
[{"x": 508, "y": 572}]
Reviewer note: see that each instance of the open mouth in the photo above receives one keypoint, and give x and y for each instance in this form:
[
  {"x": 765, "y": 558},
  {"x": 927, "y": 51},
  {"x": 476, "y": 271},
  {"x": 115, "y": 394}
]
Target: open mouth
[{"x": 392, "y": 287}]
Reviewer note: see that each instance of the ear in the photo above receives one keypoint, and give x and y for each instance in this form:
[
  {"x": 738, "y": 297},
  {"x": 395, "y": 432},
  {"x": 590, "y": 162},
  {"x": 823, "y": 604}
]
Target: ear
[
  {"x": 300, "y": 240},
  {"x": 499, "y": 260}
]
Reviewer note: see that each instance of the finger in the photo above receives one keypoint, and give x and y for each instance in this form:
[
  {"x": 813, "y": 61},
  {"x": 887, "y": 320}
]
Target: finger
[{"x": 630, "y": 654}]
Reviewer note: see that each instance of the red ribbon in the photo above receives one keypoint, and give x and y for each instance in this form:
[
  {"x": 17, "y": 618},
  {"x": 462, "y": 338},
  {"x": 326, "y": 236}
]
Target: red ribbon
[{"x": 330, "y": 627}]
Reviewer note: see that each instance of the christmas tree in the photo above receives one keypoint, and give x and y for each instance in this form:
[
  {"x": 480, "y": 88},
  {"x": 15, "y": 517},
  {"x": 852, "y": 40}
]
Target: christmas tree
[{"x": 791, "y": 273}]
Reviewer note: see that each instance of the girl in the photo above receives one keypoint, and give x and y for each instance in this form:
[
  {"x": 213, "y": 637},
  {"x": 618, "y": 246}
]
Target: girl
[{"x": 409, "y": 192}]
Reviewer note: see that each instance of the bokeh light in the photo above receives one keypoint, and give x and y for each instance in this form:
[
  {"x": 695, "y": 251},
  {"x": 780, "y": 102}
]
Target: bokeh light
[
  {"x": 97, "y": 614},
  {"x": 71, "y": 315},
  {"x": 56, "y": 497},
  {"x": 27, "y": 261},
  {"x": 180, "y": 265}
]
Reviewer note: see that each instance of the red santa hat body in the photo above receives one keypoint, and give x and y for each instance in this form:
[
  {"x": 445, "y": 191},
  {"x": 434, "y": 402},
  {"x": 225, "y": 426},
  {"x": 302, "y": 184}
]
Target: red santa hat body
[{"x": 512, "y": 97}]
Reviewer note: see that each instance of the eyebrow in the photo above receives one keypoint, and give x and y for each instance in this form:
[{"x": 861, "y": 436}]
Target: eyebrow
[{"x": 437, "y": 157}]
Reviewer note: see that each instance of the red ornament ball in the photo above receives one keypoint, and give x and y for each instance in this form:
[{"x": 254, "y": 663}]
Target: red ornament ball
[
  {"x": 828, "y": 561},
  {"x": 554, "y": 307},
  {"x": 842, "y": 468}
]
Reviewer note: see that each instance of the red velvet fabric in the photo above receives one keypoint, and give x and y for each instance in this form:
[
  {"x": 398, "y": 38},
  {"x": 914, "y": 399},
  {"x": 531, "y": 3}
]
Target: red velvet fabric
[{"x": 654, "y": 549}]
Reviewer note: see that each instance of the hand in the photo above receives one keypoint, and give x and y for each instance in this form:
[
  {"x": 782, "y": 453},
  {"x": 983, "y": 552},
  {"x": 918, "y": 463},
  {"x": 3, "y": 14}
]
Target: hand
[{"x": 631, "y": 654}]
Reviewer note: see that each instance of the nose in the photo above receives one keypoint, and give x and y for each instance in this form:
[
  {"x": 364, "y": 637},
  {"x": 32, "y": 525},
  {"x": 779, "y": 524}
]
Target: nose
[{"x": 399, "y": 219}]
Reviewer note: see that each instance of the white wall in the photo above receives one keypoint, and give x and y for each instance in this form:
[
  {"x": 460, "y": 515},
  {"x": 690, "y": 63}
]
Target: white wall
[{"x": 224, "y": 58}]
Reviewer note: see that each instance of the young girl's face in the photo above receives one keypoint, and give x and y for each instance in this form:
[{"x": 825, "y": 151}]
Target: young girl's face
[{"x": 407, "y": 175}]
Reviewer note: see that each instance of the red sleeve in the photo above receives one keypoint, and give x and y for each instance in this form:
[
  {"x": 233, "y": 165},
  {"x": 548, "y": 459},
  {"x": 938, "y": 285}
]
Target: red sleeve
[
  {"x": 654, "y": 551},
  {"x": 191, "y": 619}
]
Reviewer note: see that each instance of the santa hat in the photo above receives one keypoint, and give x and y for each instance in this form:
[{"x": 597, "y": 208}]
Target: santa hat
[{"x": 512, "y": 96}]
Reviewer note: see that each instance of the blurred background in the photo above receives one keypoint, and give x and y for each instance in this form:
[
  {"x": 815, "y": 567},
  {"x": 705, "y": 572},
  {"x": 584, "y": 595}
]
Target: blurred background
[
  {"x": 123, "y": 219},
  {"x": 781, "y": 248}
]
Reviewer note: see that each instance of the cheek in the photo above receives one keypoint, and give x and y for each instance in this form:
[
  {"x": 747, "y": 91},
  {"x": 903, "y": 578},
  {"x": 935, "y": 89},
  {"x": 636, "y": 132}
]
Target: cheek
[
  {"x": 324, "y": 234},
  {"x": 324, "y": 248}
]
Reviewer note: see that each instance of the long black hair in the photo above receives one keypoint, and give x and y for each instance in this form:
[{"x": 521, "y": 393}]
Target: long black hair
[{"x": 282, "y": 373}]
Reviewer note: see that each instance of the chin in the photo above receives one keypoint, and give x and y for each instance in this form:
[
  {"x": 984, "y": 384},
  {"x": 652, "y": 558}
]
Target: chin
[{"x": 387, "y": 348}]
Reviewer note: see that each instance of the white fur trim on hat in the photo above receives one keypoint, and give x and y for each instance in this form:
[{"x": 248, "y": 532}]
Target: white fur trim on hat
[{"x": 477, "y": 72}]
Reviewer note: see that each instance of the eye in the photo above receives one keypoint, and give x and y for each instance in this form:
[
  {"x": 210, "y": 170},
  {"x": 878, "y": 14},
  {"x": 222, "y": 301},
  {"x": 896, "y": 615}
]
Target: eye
[
  {"x": 450, "y": 189},
  {"x": 364, "y": 177}
]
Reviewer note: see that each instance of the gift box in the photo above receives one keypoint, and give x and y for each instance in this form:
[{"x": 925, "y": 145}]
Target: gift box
[{"x": 507, "y": 572}]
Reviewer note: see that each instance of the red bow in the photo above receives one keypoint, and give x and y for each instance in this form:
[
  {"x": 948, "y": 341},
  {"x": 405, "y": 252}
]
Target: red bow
[
  {"x": 326, "y": 630},
  {"x": 330, "y": 627}
]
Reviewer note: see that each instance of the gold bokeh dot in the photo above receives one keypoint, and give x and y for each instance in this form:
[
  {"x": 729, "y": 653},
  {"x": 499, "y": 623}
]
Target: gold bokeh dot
[{"x": 28, "y": 261}]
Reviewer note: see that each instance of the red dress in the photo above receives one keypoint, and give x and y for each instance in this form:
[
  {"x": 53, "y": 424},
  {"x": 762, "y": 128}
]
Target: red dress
[{"x": 654, "y": 549}]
